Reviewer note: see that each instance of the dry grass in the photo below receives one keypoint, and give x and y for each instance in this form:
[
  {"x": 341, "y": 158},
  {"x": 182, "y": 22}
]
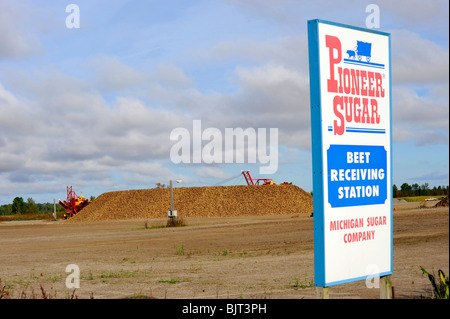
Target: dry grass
[
  {"x": 30, "y": 291},
  {"x": 175, "y": 222},
  {"x": 42, "y": 216}
]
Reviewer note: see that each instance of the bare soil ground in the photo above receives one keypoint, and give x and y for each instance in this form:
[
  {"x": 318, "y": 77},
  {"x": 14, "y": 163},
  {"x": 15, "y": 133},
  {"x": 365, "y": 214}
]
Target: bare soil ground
[{"x": 216, "y": 257}]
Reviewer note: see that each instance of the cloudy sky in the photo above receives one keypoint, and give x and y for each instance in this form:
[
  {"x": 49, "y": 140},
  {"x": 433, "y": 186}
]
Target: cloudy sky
[{"x": 93, "y": 107}]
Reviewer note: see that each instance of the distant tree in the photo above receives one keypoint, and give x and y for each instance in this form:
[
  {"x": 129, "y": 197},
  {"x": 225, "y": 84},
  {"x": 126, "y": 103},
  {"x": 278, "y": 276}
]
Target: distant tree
[
  {"x": 394, "y": 191},
  {"x": 415, "y": 189},
  {"x": 43, "y": 208},
  {"x": 159, "y": 185},
  {"x": 406, "y": 189},
  {"x": 92, "y": 198},
  {"x": 425, "y": 189},
  {"x": 31, "y": 207},
  {"x": 18, "y": 206},
  {"x": 435, "y": 191},
  {"x": 444, "y": 190}
]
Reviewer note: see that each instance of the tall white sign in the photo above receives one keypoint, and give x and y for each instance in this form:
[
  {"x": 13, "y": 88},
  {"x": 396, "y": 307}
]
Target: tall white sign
[{"x": 351, "y": 130}]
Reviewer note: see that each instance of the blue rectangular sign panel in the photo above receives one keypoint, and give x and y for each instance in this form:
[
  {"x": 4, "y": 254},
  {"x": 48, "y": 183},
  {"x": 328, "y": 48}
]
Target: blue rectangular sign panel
[{"x": 356, "y": 175}]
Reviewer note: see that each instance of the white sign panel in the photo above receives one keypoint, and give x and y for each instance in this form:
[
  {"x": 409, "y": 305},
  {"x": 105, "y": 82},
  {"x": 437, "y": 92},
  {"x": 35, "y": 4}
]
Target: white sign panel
[{"x": 350, "y": 79}]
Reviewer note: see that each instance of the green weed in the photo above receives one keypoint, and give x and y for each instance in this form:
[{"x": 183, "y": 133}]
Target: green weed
[
  {"x": 169, "y": 281},
  {"x": 304, "y": 284},
  {"x": 180, "y": 249},
  {"x": 441, "y": 290},
  {"x": 119, "y": 274}
]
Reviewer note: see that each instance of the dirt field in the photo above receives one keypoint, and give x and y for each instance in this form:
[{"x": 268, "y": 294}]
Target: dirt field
[{"x": 227, "y": 257}]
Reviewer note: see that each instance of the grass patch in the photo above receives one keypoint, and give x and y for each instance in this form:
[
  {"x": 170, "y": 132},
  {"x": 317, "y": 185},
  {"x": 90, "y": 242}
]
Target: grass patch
[
  {"x": 417, "y": 198},
  {"x": 9, "y": 290},
  {"x": 180, "y": 249},
  {"x": 120, "y": 274},
  {"x": 171, "y": 222},
  {"x": 224, "y": 252},
  {"x": 303, "y": 284},
  {"x": 89, "y": 276},
  {"x": 19, "y": 217},
  {"x": 54, "y": 278},
  {"x": 173, "y": 281},
  {"x": 146, "y": 226},
  {"x": 169, "y": 281},
  {"x": 243, "y": 253},
  {"x": 175, "y": 222}
]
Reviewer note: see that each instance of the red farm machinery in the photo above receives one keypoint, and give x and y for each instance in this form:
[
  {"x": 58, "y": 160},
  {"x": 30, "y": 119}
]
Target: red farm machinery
[
  {"x": 73, "y": 204},
  {"x": 259, "y": 181}
]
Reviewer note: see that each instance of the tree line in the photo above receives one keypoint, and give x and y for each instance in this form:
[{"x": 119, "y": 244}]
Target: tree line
[
  {"x": 28, "y": 207},
  {"x": 407, "y": 190}
]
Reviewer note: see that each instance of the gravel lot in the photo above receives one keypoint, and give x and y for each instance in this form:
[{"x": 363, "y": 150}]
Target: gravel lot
[{"x": 216, "y": 257}]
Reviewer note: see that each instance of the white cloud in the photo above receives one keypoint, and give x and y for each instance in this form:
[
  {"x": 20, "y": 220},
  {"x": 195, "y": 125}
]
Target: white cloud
[
  {"x": 16, "y": 44},
  {"x": 16, "y": 116},
  {"x": 287, "y": 50},
  {"x": 269, "y": 96},
  {"x": 20, "y": 24},
  {"x": 426, "y": 110},
  {"x": 418, "y": 60},
  {"x": 112, "y": 75},
  {"x": 213, "y": 172},
  {"x": 429, "y": 15},
  {"x": 421, "y": 115},
  {"x": 76, "y": 134},
  {"x": 274, "y": 96},
  {"x": 172, "y": 77},
  {"x": 109, "y": 126}
]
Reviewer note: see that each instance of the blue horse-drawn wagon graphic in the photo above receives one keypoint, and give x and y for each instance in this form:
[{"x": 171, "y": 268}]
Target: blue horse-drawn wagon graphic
[{"x": 362, "y": 49}]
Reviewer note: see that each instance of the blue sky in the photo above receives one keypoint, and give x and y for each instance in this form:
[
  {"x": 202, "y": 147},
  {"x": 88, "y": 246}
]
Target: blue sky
[{"x": 93, "y": 107}]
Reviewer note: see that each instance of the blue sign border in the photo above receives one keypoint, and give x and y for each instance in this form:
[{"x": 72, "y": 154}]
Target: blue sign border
[{"x": 317, "y": 146}]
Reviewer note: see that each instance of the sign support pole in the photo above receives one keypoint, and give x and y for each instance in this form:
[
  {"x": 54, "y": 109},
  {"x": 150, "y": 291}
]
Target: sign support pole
[
  {"x": 322, "y": 293},
  {"x": 386, "y": 287}
]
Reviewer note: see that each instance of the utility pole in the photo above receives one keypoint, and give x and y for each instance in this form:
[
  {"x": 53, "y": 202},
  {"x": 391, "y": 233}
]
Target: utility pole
[
  {"x": 54, "y": 208},
  {"x": 171, "y": 196},
  {"x": 172, "y": 213}
]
